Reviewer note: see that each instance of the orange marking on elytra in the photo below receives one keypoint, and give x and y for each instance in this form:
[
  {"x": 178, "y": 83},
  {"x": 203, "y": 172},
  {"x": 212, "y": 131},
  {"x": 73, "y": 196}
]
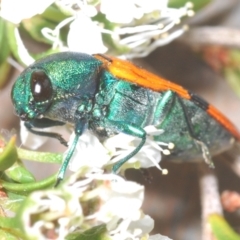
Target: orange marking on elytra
[
  {"x": 127, "y": 71},
  {"x": 224, "y": 121}
]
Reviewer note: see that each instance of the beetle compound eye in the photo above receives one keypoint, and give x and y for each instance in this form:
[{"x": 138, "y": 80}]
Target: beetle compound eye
[{"x": 41, "y": 86}]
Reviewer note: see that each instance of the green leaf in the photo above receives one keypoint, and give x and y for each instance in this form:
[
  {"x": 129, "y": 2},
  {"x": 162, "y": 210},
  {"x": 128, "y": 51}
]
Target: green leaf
[
  {"x": 64, "y": 10},
  {"x": 34, "y": 27},
  {"x": 8, "y": 222},
  {"x": 45, "y": 157},
  {"x": 9, "y": 155},
  {"x": 5, "y": 52},
  {"x": 221, "y": 229},
  {"x": 19, "y": 173},
  {"x": 11, "y": 234},
  {"x": 233, "y": 77},
  {"x": 26, "y": 188},
  {"x": 52, "y": 13},
  {"x": 197, "y": 4},
  {"x": 17, "y": 46},
  {"x": 4, "y": 45},
  {"x": 5, "y": 69},
  {"x": 9, "y": 229},
  {"x": 11, "y": 201},
  {"x": 96, "y": 233}
]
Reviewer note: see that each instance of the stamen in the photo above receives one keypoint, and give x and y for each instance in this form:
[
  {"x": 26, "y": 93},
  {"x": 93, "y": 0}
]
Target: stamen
[
  {"x": 166, "y": 152},
  {"x": 157, "y": 165},
  {"x": 171, "y": 145},
  {"x": 164, "y": 171}
]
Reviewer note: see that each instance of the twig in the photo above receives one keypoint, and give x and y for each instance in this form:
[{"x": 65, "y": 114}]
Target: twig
[
  {"x": 210, "y": 199},
  {"x": 221, "y": 36}
]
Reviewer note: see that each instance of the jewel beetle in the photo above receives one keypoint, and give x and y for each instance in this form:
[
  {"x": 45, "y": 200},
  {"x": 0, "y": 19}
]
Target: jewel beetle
[{"x": 108, "y": 95}]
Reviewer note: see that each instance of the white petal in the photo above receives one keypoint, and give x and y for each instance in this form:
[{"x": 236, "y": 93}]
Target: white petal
[
  {"x": 34, "y": 141},
  {"x": 118, "y": 11},
  {"x": 29, "y": 139},
  {"x": 15, "y": 11},
  {"x": 89, "y": 152},
  {"x": 144, "y": 224},
  {"x": 121, "y": 199},
  {"x": 85, "y": 36}
]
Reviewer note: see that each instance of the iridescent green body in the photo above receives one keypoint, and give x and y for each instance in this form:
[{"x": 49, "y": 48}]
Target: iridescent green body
[{"x": 80, "y": 91}]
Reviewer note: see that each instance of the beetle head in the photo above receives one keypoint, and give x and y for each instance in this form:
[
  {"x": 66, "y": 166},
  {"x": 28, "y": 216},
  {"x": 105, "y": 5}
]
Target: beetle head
[{"x": 52, "y": 80}]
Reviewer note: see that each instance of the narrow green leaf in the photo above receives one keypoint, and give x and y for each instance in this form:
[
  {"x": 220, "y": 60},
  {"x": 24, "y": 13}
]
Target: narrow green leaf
[
  {"x": 19, "y": 173},
  {"x": 10, "y": 234},
  {"x": 11, "y": 201},
  {"x": 233, "y": 77},
  {"x": 9, "y": 155},
  {"x": 9, "y": 229},
  {"x": 34, "y": 27},
  {"x": 197, "y": 4},
  {"x": 26, "y": 188},
  {"x": 53, "y": 13},
  {"x": 17, "y": 46},
  {"x": 221, "y": 229},
  {"x": 5, "y": 69},
  {"x": 4, "y": 45},
  {"x": 8, "y": 222},
  {"x": 45, "y": 157}
]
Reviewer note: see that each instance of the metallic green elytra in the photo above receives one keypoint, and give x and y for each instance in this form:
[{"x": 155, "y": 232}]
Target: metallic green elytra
[{"x": 93, "y": 92}]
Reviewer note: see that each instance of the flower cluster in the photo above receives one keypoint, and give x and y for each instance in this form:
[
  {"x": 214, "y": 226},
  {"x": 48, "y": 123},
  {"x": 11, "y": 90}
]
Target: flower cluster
[
  {"x": 92, "y": 153},
  {"x": 130, "y": 28},
  {"x": 88, "y": 200},
  {"x": 112, "y": 200}
]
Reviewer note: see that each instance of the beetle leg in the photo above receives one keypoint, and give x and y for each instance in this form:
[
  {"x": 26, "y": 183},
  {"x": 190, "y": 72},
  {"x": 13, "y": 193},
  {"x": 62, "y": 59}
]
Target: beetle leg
[
  {"x": 130, "y": 130},
  {"x": 79, "y": 128},
  {"x": 44, "y": 123},
  {"x": 205, "y": 151},
  {"x": 65, "y": 163}
]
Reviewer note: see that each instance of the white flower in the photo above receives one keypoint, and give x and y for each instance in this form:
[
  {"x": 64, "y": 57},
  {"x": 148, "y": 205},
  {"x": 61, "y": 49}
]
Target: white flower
[
  {"x": 85, "y": 36},
  {"x": 133, "y": 229},
  {"x": 125, "y": 11},
  {"x": 158, "y": 26},
  {"x": 120, "y": 207},
  {"x": 15, "y": 11},
  {"x": 73, "y": 6},
  {"x": 92, "y": 153},
  {"x": 57, "y": 212},
  {"x": 148, "y": 156},
  {"x": 54, "y": 34},
  {"x": 89, "y": 152},
  {"x": 29, "y": 139},
  {"x": 85, "y": 200},
  {"x": 120, "y": 11},
  {"x": 121, "y": 200}
]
